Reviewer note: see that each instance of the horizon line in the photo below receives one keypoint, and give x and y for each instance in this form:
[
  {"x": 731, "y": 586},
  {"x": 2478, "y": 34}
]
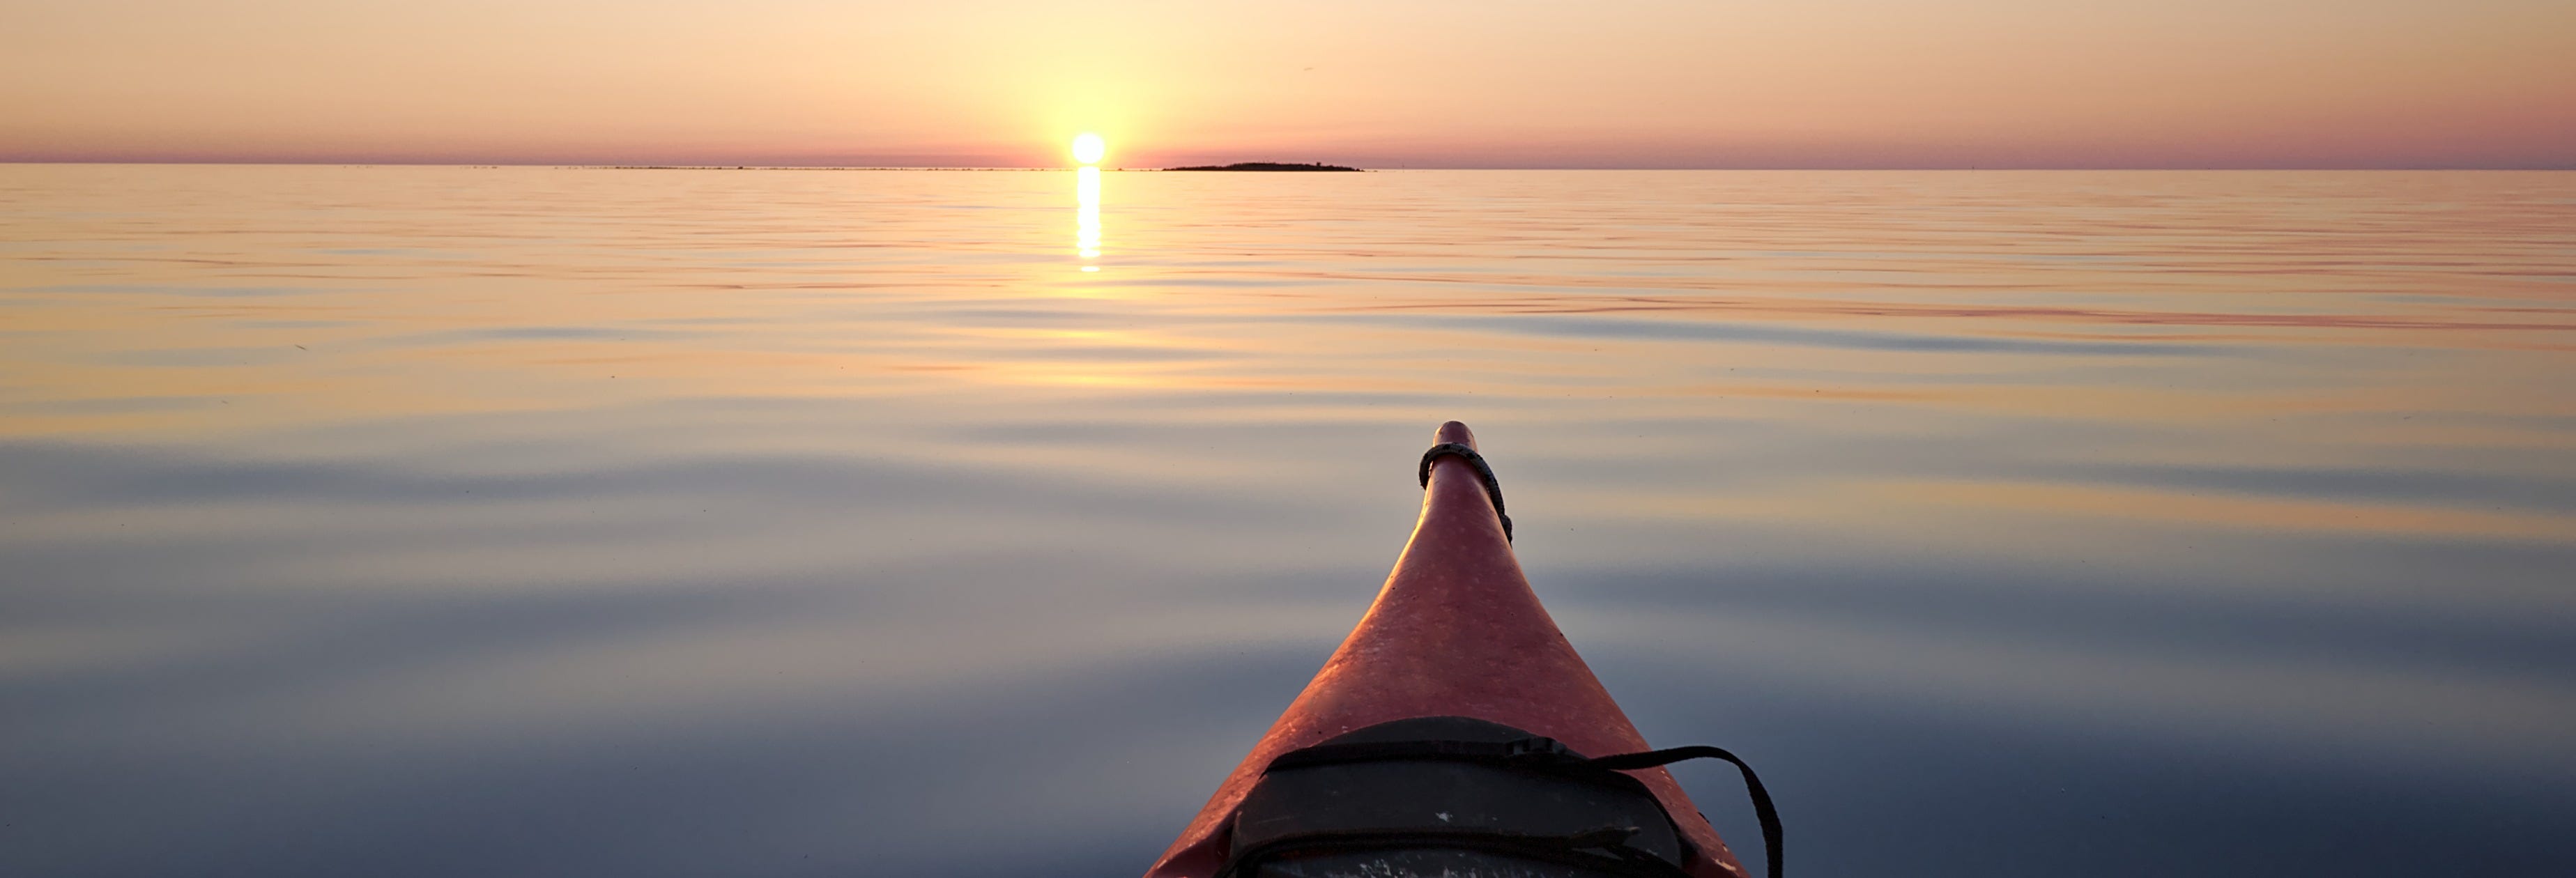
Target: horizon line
[{"x": 2569, "y": 166}]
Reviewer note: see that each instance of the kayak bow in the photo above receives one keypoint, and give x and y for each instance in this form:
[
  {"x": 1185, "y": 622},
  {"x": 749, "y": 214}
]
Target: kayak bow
[{"x": 1450, "y": 734}]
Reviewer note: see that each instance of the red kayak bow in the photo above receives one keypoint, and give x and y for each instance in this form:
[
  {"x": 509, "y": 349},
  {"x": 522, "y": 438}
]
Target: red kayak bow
[{"x": 1456, "y": 634}]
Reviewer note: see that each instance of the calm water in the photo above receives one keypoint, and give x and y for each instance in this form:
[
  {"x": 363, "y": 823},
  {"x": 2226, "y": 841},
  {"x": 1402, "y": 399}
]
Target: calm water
[{"x": 446, "y": 521}]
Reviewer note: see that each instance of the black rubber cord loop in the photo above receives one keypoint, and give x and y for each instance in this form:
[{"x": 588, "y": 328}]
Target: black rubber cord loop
[
  {"x": 1484, "y": 473},
  {"x": 1762, "y": 808}
]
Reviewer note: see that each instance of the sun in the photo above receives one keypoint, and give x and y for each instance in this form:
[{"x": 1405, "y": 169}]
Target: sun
[{"x": 1088, "y": 148}]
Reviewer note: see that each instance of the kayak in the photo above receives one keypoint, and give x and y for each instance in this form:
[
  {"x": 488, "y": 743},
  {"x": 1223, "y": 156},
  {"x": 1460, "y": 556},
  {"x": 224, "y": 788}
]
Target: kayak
[{"x": 1455, "y": 732}]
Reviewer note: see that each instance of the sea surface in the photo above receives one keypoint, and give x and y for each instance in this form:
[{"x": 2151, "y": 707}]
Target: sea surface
[{"x": 405, "y": 521}]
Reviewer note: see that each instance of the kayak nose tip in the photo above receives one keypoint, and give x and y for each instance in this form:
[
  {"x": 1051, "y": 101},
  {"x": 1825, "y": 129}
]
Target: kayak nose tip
[{"x": 1453, "y": 431}]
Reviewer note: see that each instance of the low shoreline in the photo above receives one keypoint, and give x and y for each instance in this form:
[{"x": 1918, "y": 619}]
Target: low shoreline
[{"x": 1268, "y": 166}]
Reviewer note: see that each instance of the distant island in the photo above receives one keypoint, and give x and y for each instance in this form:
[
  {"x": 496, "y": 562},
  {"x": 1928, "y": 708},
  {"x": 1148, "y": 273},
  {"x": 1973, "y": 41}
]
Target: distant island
[{"x": 1264, "y": 166}]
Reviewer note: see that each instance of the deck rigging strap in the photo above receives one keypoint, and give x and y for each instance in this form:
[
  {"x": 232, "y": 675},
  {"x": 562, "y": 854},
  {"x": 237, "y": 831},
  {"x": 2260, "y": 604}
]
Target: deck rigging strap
[
  {"x": 1484, "y": 473},
  {"x": 1547, "y": 754},
  {"x": 1595, "y": 850}
]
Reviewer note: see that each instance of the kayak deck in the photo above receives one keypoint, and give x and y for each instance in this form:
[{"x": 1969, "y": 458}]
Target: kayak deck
[{"x": 1455, "y": 632}]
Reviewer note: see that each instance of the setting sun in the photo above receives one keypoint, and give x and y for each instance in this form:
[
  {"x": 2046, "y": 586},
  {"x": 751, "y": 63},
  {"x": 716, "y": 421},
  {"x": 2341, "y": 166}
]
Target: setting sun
[{"x": 1088, "y": 148}]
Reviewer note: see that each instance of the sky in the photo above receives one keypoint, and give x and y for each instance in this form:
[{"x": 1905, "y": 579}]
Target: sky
[{"x": 1381, "y": 83}]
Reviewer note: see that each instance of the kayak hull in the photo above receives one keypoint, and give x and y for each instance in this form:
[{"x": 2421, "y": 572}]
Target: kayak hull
[{"x": 1456, "y": 631}]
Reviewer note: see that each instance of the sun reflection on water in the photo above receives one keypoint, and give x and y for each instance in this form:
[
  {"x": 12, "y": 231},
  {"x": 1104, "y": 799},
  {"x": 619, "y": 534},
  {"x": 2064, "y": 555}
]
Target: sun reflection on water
[{"x": 1086, "y": 235}]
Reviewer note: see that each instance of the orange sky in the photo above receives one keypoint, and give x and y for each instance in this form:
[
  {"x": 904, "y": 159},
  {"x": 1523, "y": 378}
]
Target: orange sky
[{"x": 1384, "y": 83}]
